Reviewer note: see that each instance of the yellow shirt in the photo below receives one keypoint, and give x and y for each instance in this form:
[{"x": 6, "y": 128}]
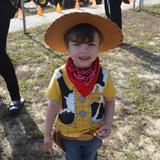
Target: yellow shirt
[{"x": 78, "y": 114}]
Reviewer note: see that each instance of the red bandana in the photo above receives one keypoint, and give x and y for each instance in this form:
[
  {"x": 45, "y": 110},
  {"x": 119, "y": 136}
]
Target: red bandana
[{"x": 83, "y": 79}]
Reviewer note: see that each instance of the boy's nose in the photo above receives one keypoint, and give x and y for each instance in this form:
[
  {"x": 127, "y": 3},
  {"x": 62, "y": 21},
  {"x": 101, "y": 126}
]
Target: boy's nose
[{"x": 84, "y": 48}]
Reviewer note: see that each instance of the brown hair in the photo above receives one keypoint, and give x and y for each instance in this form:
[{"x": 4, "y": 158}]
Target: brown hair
[{"x": 82, "y": 33}]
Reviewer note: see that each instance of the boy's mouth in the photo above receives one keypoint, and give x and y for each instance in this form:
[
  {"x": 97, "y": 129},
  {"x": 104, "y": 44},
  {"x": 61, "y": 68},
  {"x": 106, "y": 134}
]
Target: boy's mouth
[{"x": 84, "y": 58}]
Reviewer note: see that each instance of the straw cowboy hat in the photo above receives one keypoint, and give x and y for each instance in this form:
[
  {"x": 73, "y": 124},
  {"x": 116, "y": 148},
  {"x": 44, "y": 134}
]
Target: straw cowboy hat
[{"x": 54, "y": 36}]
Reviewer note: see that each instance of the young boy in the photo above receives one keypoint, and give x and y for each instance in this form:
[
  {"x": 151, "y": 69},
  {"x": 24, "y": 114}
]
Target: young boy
[{"x": 81, "y": 93}]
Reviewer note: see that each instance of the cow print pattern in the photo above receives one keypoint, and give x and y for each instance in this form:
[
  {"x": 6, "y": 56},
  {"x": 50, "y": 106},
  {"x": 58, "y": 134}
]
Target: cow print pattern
[{"x": 68, "y": 113}]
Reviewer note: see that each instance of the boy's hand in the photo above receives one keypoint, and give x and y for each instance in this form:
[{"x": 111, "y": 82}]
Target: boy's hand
[
  {"x": 47, "y": 147},
  {"x": 104, "y": 132}
]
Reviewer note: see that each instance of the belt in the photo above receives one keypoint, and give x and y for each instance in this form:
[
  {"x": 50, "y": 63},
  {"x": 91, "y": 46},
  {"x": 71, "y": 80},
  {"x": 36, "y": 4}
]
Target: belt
[{"x": 84, "y": 137}]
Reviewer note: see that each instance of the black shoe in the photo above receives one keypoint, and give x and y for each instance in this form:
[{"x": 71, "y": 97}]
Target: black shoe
[{"x": 15, "y": 107}]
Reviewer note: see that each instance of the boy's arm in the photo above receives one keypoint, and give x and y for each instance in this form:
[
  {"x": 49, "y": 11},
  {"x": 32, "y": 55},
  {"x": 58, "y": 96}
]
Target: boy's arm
[
  {"x": 109, "y": 111},
  {"x": 105, "y": 130},
  {"x": 53, "y": 108}
]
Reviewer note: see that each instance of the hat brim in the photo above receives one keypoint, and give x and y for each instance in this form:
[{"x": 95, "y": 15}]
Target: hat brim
[{"x": 54, "y": 36}]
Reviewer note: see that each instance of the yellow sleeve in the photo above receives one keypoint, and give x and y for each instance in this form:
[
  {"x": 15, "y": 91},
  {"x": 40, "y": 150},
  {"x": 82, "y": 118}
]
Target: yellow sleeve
[
  {"x": 53, "y": 90},
  {"x": 109, "y": 90}
]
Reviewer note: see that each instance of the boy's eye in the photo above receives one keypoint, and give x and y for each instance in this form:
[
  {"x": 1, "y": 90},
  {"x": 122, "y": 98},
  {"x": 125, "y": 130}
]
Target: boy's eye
[
  {"x": 91, "y": 44},
  {"x": 76, "y": 44}
]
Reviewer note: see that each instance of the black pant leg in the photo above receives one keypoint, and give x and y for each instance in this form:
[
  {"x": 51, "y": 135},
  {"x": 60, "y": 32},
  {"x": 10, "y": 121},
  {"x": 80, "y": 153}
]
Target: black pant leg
[
  {"x": 107, "y": 8},
  {"x": 113, "y": 11},
  {"x": 6, "y": 67}
]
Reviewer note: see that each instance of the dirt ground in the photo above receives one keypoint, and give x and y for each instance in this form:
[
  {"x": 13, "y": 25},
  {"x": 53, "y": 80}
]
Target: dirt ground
[{"x": 135, "y": 67}]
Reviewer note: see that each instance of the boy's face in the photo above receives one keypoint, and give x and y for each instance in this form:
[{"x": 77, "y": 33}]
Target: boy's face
[{"x": 84, "y": 54}]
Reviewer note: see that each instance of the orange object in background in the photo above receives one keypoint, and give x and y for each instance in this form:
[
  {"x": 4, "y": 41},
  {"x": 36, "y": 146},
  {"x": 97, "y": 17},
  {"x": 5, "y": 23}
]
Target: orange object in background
[
  {"x": 20, "y": 15},
  {"x": 94, "y": 3},
  {"x": 77, "y": 5},
  {"x": 58, "y": 8},
  {"x": 39, "y": 11}
]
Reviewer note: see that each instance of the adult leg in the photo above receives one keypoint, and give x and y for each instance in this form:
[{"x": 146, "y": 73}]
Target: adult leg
[
  {"x": 113, "y": 11},
  {"x": 6, "y": 67},
  {"x": 107, "y": 8}
]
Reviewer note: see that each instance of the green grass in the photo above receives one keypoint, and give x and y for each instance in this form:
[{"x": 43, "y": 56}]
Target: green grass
[{"x": 140, "y": 95}]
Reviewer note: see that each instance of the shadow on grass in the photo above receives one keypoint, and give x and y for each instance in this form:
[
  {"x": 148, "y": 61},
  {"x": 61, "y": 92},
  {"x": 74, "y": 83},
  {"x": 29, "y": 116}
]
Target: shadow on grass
[
  {"x": 24, "y": 137},
  {"x": 2, "y": 110},
  {"x": 151, "y": 12},
  {"x": 50, "y": 51},
  {"x": 143, "y": 55}
]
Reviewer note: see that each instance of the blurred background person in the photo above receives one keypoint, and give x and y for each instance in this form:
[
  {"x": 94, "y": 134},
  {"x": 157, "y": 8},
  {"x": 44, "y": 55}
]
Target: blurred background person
[
  {"x": 113, "y": 10},
  {"x": 7, "y": 71}
]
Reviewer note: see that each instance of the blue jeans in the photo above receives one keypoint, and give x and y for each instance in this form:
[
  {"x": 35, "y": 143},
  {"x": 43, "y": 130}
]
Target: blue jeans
[{"x": 82, "y": 150}]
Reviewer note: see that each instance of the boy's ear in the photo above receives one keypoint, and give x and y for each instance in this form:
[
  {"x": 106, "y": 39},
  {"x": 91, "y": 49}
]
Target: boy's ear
[
  {"x": 100, "y": 45},
  {"x": 66, "y": 47}
]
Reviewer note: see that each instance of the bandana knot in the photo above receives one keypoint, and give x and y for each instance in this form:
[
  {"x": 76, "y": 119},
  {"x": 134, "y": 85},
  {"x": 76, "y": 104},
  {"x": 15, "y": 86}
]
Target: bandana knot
[{"x": 83, "y": 79}]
